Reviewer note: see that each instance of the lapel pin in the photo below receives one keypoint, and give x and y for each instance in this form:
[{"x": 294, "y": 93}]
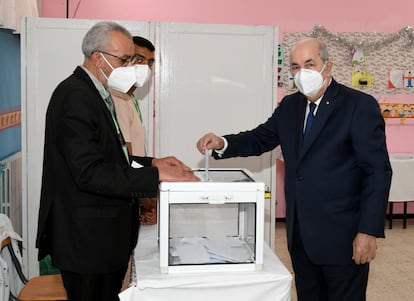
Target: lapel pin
[{"x": 327, "y": 102}]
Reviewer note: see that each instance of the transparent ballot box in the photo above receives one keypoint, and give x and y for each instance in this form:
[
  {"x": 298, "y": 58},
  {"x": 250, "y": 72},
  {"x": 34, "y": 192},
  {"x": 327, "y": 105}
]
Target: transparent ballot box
[{"x": 212, "y": 225}]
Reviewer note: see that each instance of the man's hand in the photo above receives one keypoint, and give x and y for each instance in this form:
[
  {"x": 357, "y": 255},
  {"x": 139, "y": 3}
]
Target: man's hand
[
  {"x": 169, "y": 161},
  {"x": 170, "y": 169},
  {"x": 365, "y": 248},
  {"x": 209, "y": 141}
]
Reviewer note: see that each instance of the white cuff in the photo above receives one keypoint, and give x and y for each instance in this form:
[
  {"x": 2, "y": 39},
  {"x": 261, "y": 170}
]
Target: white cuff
[{"x": 220, "y": 152}]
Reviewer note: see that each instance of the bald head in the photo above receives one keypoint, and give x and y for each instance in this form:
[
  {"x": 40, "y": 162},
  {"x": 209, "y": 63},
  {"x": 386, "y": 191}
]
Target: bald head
[{"x": 313, "y": 45}]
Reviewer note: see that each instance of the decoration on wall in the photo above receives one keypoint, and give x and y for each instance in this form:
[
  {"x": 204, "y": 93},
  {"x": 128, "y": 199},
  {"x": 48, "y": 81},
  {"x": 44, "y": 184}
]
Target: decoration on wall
[
  {"x": 408, "y": 79},
  {"x": 377, "y": 63},
  {"x": 407, "y": 33},
  {"x": 10, "y": 119},
  {"x": 357, "y": 56},
  {"x": 361, "y": 78},
  {"x": 395, "y": 79},
  {"x": 280, "y": 48},
  {"x": 291, "y": 81},
  {"x": 399, "y": 79},
  {"x": 402, "y": 111}
]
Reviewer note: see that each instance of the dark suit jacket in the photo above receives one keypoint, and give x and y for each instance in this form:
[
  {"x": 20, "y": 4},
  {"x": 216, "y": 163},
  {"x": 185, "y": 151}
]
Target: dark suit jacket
[
  {"x": 337, "y": 184},
  {"x": 88, "y": 220}
]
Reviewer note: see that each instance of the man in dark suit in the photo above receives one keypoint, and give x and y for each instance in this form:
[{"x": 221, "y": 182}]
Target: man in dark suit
[
  {"x": 337, "y": 177},
  {"x": 88, "y": 218}
]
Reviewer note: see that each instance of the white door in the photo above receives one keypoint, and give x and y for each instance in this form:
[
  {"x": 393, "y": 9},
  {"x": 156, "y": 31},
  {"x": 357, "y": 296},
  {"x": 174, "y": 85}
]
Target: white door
[
  {"x": 221, "y": 79},
  {"x": 50, "y": 51}
]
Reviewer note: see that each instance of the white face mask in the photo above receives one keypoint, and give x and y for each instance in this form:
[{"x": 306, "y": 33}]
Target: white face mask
[
  {"x": 123, "y": 78},
  {"x": 142, "y": 74},
  {"x": 309, "y": 82}
]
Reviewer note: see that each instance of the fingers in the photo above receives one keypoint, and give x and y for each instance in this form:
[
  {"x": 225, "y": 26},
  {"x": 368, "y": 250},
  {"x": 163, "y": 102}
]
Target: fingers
[
  {"x": 360, "y": 259},
  {"x": 185, "y": 176},
  {"x": 190, "y": 177},
  {"x": 209, "y": 141},
  {"x": 176, "y": 174},
  {"x": 364, "y": 248},
  {"x": 201, "y": 144},
  {"x": 204, "y": 142},
  {"x": 173, "y": 161},
  {"x": 181, "y": 164},
  {"x": 169, "y": 161}
]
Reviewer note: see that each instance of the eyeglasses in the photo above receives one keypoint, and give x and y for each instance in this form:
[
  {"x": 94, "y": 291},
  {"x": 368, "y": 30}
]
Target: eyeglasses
[
  {"x": 139, "y": 59},
  {"x": 125, "y": 60}
]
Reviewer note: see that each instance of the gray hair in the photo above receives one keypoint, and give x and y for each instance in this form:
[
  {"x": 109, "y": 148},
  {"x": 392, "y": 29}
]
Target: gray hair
[
  {"x": 323, "y": 52},
  {"x": 98, "y": 35}
]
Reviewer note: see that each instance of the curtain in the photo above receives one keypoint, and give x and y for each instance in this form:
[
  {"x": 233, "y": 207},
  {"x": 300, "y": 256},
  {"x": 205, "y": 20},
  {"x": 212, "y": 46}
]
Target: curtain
[{"x": 12, "y": 10}]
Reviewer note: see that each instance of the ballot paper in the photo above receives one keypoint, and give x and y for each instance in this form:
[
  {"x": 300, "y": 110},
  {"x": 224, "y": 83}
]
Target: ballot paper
[
  {"x": 202, "y": 250},
  {"x": 206, "y": 156}
]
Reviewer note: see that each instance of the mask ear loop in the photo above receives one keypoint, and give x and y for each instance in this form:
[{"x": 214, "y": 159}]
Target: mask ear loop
[
  {"x": 323, "y": 68},
  {"x": 100, "y": 69},
  {"x": 109, "y": 62}
]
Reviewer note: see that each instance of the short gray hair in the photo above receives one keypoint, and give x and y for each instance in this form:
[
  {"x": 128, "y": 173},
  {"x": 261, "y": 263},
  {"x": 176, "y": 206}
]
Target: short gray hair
[
  {"x": 323, "y": 51},
  {"x": 98, "y": 35}
]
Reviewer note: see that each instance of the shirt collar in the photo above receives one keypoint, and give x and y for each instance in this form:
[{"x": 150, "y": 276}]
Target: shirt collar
[
  {"x": 318, "y": 101},
  {"x": 98, "y": 85}
]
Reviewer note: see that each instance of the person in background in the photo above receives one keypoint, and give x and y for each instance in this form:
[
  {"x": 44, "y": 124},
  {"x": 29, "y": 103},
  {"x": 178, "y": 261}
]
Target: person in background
[
  {"x": 144, "y": 51},
  {"x": 337, "y": 175},
  {"x": 88, "y": 216},
  {"x": 131, "y": 122},
  {"x": 127, "y": 105}
]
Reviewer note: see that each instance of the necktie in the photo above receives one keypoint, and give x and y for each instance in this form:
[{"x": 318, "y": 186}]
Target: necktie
[
  {"x": 110, "y": 104},
  {"x": 111, "y": 107},
  {"x": 309, "y": 120}
]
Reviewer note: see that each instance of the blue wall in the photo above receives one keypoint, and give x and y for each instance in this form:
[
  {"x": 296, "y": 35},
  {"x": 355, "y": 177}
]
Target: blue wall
[{"x": 10, "y": 94}]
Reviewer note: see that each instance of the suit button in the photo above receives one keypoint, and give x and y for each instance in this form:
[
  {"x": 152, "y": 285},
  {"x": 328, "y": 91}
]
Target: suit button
[{"x": 299, "y": 178}]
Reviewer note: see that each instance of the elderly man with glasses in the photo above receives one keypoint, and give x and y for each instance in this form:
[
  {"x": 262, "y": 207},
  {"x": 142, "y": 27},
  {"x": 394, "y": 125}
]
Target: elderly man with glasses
[{"x": 88, "y": 218}]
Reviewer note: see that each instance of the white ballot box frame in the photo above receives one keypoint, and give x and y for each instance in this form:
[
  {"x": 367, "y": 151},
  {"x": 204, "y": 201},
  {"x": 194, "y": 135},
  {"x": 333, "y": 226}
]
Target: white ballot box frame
[{"x": 228, "y": 188}]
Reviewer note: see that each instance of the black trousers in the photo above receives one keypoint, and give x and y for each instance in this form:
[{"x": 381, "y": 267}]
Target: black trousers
[
  {"x": 326, "y": 282},
  {"x": 93, "y": 287}
]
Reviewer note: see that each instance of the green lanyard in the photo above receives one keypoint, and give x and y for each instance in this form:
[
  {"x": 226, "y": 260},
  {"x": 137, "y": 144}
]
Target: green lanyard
[
  {"x": 135, "y": 101},
  {"x": 110, "y": 105}
]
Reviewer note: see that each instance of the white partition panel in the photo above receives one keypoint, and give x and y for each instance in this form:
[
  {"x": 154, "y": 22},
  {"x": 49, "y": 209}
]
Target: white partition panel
[{"x": 216, "y": 78}]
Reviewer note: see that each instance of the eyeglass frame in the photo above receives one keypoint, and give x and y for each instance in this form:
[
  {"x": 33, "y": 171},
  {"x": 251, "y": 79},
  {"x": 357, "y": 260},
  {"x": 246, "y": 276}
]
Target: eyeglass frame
[
  {"x": 139, "y": 59},
  {"x": 125, "y": 61}
]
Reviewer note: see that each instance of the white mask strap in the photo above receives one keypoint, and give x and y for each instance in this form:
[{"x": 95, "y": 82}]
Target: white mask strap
[
  {"x": 109, "y": 62},
  {"x": 100, "y": 69},
  {"x": 323, "y": 68}
]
